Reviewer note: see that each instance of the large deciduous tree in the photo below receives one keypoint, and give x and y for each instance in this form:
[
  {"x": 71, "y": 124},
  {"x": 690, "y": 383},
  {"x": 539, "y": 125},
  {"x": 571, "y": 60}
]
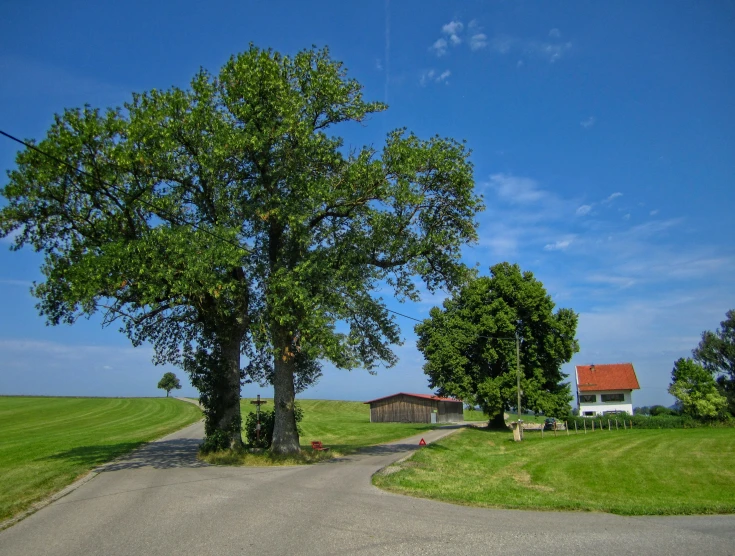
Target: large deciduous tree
[
  {"x": 696, "y": 389},
  {"x": 169, "y": 382},
  {"x": 224, "y": 220},
  {"x": 716, "y": 353},
  {"x": 470, "y": 348}
]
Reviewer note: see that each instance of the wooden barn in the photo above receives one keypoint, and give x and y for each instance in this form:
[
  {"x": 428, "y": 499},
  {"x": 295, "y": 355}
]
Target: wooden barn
[{"x": 415, "y": 408}]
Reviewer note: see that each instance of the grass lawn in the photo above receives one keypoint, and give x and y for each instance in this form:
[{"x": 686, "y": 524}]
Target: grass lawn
[
  {"x": 46, "y": 443},
  {"x": 344, "y": 426},
  {"x": 639, "y": 472}
]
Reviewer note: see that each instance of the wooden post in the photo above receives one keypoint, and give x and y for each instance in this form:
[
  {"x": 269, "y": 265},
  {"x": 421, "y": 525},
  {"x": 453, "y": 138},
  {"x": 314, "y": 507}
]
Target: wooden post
[
  {"x": 631, "y": 424},
  {"x": 593, "y": 425},
  {"x": 609, "y": 428},
  {"x": 585, "y": 426},
  {"x": 575, "y": 427},
  {"x": 616, "y": 424},
  {"x": 554, "y": 429},
  {"x": 624, "y": 426},
  {"x": 566, "y": 426}
]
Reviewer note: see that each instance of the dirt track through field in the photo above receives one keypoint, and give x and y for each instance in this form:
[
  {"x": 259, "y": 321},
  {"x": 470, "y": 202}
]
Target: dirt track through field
[{"x": 162, "y": 500}]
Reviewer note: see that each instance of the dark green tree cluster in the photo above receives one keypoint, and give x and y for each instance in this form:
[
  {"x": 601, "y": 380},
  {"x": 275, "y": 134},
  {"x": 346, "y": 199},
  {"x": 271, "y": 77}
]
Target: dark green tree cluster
[
  {"x": 705, "y": 385},
  {"x": 226, "y": 220},
  {"x": 470, "y": 345}
]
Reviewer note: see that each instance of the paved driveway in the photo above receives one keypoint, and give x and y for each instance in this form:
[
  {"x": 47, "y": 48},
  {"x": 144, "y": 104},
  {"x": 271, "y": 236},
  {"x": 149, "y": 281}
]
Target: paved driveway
[{"x": 161, "y": 500}]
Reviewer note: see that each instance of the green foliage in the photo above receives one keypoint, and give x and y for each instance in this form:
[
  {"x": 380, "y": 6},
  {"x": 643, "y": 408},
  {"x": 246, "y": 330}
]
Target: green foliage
[
  {"x": 267, "y": 422},
  {"x": 470, "y": 350},
  {"x": 169, "y": 382},
  {"x": 47, "y": 443},
  {"x": 696, "y": 389},
  {"x": 716, "y": 352},
  {"x": 293, "y": 233}
]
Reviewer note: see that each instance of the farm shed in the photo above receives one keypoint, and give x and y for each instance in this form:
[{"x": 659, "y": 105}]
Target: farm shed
[{"x": 415, "y": 408}]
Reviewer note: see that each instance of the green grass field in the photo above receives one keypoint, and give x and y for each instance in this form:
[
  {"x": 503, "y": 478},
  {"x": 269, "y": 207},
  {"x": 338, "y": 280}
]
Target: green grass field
[
  {"x": 640, "y": 472},
  {"x": 46, "y": 443},
  {"x": 344, "y": 426}
]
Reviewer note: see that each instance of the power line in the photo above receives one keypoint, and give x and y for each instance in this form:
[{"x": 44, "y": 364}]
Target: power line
[{"x": 174, "y": 219}]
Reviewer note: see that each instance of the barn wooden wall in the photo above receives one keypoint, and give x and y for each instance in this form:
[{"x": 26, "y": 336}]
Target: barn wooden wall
[{"x": 407, "y": 409}]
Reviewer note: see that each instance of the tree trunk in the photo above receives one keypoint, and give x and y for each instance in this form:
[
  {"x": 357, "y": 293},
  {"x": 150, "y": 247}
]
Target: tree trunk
[
  {"x": 498, "y": 422},
  {"x": 285, "y": 434},
  {"x": 230, "y": 419}
]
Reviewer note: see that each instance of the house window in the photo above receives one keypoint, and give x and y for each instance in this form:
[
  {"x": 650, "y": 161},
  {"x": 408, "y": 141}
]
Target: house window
[
  {"x": 587, "y": 398},
  {"x": 589, "y": 413},
  {"x": 613, "y": 397}
]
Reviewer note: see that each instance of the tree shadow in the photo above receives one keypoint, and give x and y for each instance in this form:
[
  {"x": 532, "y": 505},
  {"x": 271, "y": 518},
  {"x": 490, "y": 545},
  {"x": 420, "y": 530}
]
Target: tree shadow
[{"x": 164, "y": 454}]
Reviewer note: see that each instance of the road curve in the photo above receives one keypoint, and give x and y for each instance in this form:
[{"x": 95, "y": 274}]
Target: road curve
[{"x": 162, "y": 500}]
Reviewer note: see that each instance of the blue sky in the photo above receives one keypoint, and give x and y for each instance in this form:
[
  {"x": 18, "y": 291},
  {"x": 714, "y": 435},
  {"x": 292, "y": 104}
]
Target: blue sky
[{"x": 603, "y": 138}]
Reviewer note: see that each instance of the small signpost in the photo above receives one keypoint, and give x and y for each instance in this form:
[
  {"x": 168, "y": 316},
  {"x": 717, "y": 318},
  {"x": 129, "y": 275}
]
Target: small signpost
[{"x": 257, "y": 404}]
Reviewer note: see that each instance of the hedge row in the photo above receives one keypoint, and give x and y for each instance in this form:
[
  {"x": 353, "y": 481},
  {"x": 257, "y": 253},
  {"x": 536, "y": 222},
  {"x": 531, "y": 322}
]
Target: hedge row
[{"x": 647, "y": 422}]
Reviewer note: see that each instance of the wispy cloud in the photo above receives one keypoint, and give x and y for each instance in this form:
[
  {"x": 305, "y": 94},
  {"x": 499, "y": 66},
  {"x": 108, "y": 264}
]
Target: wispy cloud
[
  {"x": 583, "y": 209},
  {"x": 588, "y": 122},
  {"x": 559, "y": 245},
  {"x": 453, "y": 30},
  {"x": 478, "y": 41},
  {"x": 516, "y": 189},
  {"x": 612, "y": 197},
  {"x": 439, "y": 47},
  {"x": 550, "y": 51},
  {"x": 555, "y": 33},
  {"x": 433, "y": 76},
  {"x": 10, "y": 282}
]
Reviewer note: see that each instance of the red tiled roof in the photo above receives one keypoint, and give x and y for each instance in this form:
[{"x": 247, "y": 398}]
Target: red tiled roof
[
  {"x": 425, "y": 396},
  {"x": 618, "y": 376}
]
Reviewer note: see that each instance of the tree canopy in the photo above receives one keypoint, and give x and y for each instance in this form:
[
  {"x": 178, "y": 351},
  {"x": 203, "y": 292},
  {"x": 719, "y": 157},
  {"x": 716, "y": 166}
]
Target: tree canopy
[
  {"x": 224, "y": 220},
  {"x": 716, "y": 353},
  {"x": 696, "y": 389},
  {"x": 470, "y": 349},
  {"x": 169, "y": 382}
]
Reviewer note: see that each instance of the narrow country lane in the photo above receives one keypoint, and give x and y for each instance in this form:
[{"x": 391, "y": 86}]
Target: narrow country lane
[{"x": 162, "y": 500}]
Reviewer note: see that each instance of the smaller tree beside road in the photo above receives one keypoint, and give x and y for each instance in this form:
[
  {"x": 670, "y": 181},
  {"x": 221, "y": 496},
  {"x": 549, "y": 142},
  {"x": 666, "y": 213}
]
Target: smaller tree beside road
[{"x": 169, "y": 382}]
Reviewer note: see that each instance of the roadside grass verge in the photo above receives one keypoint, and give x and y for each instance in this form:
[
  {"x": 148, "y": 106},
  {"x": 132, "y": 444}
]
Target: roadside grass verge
[
  {"x": 638, "y": 472},
  {"x": 47, "y": 443}
]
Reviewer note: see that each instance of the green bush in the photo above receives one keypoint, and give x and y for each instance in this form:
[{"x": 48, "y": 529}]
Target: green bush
[{"x": 267, "y": 420}]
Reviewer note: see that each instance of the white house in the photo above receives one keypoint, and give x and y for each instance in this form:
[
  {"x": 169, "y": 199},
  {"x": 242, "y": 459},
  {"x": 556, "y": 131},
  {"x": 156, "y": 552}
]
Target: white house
[{"x": 605, "y": 389}]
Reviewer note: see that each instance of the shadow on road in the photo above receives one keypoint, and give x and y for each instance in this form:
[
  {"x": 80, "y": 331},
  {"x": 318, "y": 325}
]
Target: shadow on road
[{"x": 164, "y": 454}]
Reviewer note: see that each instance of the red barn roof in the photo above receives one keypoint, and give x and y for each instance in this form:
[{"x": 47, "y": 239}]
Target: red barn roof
[
  {"x": 425, "y": 396},
  {"x": 617, "y": 376}
]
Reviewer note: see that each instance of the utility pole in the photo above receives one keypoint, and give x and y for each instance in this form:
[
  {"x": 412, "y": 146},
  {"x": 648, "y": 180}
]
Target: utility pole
[{"x": 518, "y": 378}]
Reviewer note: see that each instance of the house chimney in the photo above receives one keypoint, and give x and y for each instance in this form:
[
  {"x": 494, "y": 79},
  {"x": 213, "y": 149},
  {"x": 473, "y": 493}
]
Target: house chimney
[{"x": 592, "y": 367}]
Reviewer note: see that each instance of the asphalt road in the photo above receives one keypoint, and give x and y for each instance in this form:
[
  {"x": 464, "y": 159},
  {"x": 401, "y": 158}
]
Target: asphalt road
[{"x": 161, "y": 500}]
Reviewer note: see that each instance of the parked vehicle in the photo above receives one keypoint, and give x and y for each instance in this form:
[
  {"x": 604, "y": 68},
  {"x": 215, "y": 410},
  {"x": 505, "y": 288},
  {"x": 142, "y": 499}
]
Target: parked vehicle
[{"x": 549, "y": 424}]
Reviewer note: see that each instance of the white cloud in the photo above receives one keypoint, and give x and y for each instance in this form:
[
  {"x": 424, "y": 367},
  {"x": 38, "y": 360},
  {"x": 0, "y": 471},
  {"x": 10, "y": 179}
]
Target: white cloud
[
  {"x": 653, "y": 212},
  {"x": 588, "y": 123},
  {"x": 378, "y": 64},
  {"x": 433, "y": 76},
  {"x": 22, "y": 283},
  {"x": 584, "y": 209},
  {"x": 516, "y": 189},
  {"x": 555, "y": 33},
  {"x": 439, "y": 47},
  {"x": 453, "y": 29},
  {"x": 626, "y": 216},
  {"x": 548, "y": 51},
  {"x": 478, "y": 41},
  {"x": 612, "y": 197},
  {"x": 560, "y": 245},
  {"x": 502, "y": 44}
]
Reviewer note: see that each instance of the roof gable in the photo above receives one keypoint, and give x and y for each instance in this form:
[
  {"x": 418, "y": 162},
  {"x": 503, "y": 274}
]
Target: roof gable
[
  {"x": 617, "y": 376},
  {"x": 424, "y": 396}
]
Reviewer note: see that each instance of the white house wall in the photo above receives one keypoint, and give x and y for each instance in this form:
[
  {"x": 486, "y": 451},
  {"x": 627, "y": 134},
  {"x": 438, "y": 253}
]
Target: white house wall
[{"x": 599, "y": 407}]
